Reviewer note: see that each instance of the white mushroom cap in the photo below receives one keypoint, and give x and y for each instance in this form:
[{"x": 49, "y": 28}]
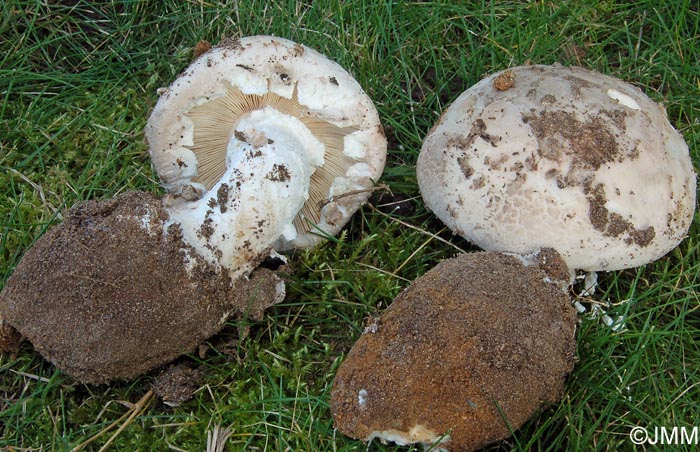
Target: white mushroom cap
[
  {"x": 256, "y": 112},
  {"x": 550, "y": 156}
]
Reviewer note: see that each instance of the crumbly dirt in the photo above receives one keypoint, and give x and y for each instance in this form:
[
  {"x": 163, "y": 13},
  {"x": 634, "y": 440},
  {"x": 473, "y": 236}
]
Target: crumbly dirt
[
  {"x": 10, "y": 339},
  {"x": 613, "y": 224},
  {"x": 107, "y": 294},
  {"x": 467, "y": 170},
  {"x": 554, "y": 266},
  {"x": 230, "y": 44},
  {"x": 589, "y": 144},
  {"x": 200, "y": 48},
  {"x": 478, "y": 130},
  {"x": 478, "y": 333},
  {"x": 222, "y": 197},
  {"x": 504, "y": 81},
  {"x": 577, "y": 83},
  {"x": 177, "y": 384},
  {"x": 279, "y": 173}
]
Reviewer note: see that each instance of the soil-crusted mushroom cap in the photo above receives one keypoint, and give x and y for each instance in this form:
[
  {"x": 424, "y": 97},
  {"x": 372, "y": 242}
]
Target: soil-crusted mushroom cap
[
  {"x": 301, "y": 117},
  {"x": 471, "y": 349},
  {"x": 110, "y": 294},
  {"x": 562, "y": 157}
]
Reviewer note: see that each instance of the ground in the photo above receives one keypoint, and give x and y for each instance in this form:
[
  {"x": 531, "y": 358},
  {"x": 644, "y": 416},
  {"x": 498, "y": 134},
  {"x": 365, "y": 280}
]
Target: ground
[{"x": 77, "y": 82}]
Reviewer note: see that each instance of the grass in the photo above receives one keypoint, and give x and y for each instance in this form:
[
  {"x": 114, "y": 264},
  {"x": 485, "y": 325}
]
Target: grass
[{"x": 77, "y": 82}]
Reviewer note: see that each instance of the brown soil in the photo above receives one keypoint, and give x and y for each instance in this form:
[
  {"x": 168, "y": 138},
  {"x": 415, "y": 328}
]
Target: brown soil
[
  {"x": 103, "y": 297},
  {"x": 200, "y": 48},
  {"x": 476, "y": 334},
  {"x": 590, "y": 144},
  {"x": 504, "y": 81},
  {"x": 177, "y": 384},
  {"x": 9, "y": 338},
  {"x": 612, "y": 224}
]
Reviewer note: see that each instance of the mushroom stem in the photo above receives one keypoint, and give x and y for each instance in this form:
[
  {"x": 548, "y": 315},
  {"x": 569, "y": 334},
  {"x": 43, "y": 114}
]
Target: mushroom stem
[{"x": 265, "y": 185}]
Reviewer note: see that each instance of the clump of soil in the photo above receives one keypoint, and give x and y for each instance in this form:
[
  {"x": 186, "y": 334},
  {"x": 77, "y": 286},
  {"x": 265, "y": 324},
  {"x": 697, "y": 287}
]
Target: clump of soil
[
  {"x": 9, "y": 338},
  {"x": 477, "y": 334},
  {"x": 110, "y": 293},
  {"x": 177, "y": 384},
  {"x": 504, "y": 81}
]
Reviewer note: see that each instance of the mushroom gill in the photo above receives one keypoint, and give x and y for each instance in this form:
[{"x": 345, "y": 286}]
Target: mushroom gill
[{"x": 215, "y": 122}]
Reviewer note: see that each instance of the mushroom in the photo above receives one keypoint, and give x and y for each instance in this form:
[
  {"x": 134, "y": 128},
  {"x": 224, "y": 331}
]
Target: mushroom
[
  {"x": 562, "y": 157},
  {"x": 466, "y": 354},
  {"x": 248, "y": 141},
  {"x": 255, "y": 110},
  {"x": 112, "y": 292}
]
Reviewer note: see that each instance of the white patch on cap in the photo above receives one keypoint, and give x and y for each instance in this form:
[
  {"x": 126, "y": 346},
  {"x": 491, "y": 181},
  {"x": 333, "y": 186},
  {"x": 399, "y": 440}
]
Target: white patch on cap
[
  {"x": 248, "y": 82},
  {"x": 624, "y": 99},
  {"x": 362, "y": 397},
  {"x": 356, "y": 144},
  {"x": 359, "y": 170},
  {"x": 147, "y": 223}
]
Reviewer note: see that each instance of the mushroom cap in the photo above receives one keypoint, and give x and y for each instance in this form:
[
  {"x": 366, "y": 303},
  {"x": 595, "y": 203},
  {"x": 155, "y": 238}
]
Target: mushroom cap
[
  {"x": 562, "y": 157},
  {"x": 479, "y": 340},
  {"x": 195, "y": 117},
  {"x": 107, "y": 294}
]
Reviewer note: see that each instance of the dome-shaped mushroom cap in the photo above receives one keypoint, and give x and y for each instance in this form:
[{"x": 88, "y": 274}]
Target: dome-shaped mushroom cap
[
  {"x": 550, "y": 156},
  {"x": 197, "y": 115},
  {"x": 478, "y": 339},
  {"x": 108, "y": 294}
]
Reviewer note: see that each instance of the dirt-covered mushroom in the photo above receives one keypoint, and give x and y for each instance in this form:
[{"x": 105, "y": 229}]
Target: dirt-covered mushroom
[
  {"x": 561, "y": 157},
  {"x": 113, "y": 292},
  {"x": 470, "y": 350},
  {"x": 261, "y": 109},
  {"x": 250, "y": 140}
]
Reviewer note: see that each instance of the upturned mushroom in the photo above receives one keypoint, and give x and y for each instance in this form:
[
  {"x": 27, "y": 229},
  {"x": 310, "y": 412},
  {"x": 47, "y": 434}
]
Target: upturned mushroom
[
  {"x": 562, "y": 157},
  {"x": 248, "y": 141},
  {"x": 466, "y": 354},
  {"x": 257, "y": 110}
]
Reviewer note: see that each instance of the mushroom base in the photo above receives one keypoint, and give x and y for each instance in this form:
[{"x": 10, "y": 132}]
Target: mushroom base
[{"x": 110, "y": 294}]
